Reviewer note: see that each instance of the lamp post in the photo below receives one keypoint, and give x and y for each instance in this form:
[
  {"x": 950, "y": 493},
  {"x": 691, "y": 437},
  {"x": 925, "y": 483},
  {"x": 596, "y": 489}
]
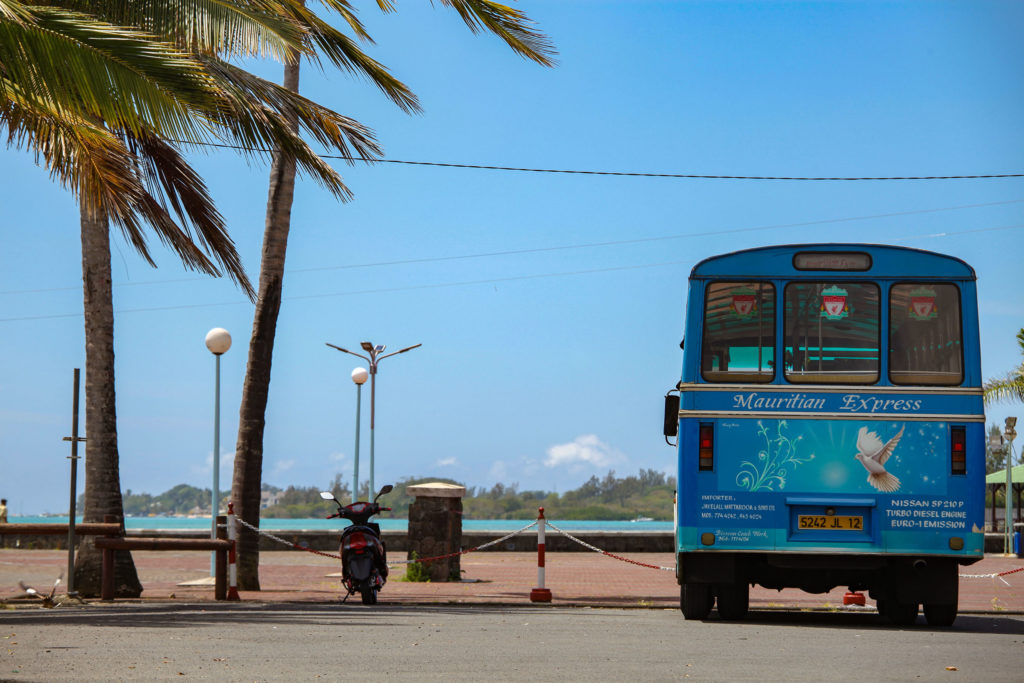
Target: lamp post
[
  {"x": 218, "y": 341},
  {"x": 1009, "y": 432},
  {"x": 359, "y": 376},
  {"x": 374, "y": 360},
  {"x": 997, "y": 443}
]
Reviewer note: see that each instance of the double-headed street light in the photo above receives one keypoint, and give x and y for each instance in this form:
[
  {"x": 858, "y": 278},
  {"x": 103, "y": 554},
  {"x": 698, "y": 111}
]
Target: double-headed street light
[{"x": 373, "y": 359}]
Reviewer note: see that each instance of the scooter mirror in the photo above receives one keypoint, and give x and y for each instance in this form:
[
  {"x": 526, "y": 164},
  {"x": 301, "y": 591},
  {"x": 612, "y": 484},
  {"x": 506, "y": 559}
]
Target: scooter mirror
[
  {"x": 387, "y": 488},
  {"x": 327, "y": 495}
]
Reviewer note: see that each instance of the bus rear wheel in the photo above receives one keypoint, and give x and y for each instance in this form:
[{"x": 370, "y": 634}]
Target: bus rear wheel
[
  {"x": 944, "y": 614},
  {"x": 901, "y": 613},
  {"x": 696, "y": 600},
  {"x": 733, "y": 601}
]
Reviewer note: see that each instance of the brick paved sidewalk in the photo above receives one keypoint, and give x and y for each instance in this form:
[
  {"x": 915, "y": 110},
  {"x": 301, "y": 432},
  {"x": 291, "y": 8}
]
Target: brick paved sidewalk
[{"x": 575, "y": 579}]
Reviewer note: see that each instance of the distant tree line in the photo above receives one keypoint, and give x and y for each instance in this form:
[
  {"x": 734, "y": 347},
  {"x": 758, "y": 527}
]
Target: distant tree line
[{"x": 646, "y": 494}]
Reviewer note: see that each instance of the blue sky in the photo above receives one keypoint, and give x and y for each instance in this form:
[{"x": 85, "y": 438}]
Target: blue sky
[{"x": 546, "y": 366}]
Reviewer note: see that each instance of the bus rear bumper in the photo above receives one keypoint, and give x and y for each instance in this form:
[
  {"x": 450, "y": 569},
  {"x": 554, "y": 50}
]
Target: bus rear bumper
[{"x": 921, "y": 579}]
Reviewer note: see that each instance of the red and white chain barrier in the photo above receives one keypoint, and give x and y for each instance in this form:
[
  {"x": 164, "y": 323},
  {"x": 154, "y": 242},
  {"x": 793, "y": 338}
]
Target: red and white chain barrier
[
  {"x": 296, "y": 546},
  {"x": 538, "y": 594},
  {"x": 280, "y": 540},
  {"x": 467, "y": 550},
  {"x": 996, "y": 575},
  {"x": 608, "y": 554}
]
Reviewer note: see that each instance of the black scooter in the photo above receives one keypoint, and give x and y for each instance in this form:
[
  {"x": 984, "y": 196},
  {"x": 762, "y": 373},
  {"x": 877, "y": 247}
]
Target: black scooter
[{"x": 364, "y": 558}]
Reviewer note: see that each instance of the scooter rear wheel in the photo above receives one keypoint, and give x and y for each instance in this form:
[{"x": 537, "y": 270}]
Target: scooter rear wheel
[{"x": 369, "y": 595}]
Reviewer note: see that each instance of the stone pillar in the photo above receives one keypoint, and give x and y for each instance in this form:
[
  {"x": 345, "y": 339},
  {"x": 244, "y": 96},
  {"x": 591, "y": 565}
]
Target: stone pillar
[{"x": 435, "y": 527}]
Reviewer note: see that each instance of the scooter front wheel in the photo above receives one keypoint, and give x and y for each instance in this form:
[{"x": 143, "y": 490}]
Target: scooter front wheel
[{"x": 369, "y": 595}]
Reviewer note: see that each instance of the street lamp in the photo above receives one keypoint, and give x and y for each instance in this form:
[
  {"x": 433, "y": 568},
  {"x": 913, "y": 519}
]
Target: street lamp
[
  {"x": 374, "y": 359},
  {"x": 218, "y": 341},
  {"x": 1009, "y": 432},
  {"x": 997, "y": 443},
  {"x": 359, "y": 376}
]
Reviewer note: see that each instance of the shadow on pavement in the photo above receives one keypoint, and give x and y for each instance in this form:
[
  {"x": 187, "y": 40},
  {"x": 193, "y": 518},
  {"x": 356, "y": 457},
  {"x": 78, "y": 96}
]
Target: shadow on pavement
[
  {"x": 177, "y": 616},
  {"x": 858, "y": 620}
]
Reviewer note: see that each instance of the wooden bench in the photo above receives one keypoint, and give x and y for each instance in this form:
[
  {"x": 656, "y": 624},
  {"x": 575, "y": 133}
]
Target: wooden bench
[{"x": 111, "y": 538}]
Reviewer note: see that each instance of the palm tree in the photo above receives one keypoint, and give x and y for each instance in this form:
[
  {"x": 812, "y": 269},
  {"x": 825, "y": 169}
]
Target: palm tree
[
  {"x": 1010, "y": 387},
  {"x": 97, "y": 98},
  {"x": 513, "y": 27}
]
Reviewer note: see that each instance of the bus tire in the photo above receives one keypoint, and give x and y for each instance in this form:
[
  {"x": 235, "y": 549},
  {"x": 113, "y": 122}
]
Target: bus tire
[
  {"x": 696, "y": 600},
  {"x": 944, "y": 614},
  {"x": 940, "y": 615},
  {"x": 901, "y": 613},
  {"x": 733, "y": 601}
]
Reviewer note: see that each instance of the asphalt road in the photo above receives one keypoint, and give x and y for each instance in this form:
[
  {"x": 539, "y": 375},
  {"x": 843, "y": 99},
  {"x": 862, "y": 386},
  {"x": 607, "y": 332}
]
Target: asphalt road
[{"x": 430, "y": 643}]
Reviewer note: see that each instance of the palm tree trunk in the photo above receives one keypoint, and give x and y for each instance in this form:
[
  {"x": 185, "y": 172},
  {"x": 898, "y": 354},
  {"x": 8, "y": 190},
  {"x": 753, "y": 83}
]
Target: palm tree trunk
[
  {"x": 247, "y": 481},
  {"x": 102, "y": 478}
]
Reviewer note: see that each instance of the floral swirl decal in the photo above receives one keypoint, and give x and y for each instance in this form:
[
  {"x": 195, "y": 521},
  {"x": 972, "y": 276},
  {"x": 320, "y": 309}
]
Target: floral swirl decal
[{"x": 769, "y": 470}]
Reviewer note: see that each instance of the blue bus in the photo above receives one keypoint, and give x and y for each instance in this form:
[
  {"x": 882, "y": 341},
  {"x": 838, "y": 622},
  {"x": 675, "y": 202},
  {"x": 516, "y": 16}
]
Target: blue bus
[{"x": 830, "y": 428}]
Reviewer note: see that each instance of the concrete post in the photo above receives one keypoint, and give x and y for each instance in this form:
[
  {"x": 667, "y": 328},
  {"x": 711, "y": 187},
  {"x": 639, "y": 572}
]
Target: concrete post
[{"x": 435, "y": 527}]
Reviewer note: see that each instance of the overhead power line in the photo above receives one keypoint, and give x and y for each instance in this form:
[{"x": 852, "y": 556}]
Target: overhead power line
[
  {"x": 629, "y": 174},
  {"x": 464, "y": 283},
  {"x": 586, "y": 245}
]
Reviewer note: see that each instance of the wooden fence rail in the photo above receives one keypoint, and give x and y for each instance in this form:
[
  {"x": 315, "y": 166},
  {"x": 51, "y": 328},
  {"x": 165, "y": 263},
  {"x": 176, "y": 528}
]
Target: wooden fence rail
[{"x": 112, "y": 538}]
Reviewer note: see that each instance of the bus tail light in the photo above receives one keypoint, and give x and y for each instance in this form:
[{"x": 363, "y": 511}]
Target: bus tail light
[
  {"x": 958, "y": 449},
  {"x": 706, "y": 447}
]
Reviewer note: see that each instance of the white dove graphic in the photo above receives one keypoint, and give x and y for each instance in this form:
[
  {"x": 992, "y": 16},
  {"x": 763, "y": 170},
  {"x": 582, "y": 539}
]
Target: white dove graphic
[{"x": 873, "y": 454}]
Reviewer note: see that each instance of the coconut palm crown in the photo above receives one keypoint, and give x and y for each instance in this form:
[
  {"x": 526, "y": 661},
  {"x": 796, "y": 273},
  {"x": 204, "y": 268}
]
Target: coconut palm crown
[{"x": 1010, "y": 387}]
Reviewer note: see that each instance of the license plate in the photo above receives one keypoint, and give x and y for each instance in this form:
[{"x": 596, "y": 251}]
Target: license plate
[{"x": 832, "y": 522}]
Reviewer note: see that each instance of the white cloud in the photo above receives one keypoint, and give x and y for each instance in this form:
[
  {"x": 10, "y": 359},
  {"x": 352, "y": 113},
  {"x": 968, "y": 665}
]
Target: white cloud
[
  {"x": 498, "y": 471},
  {"x": 336, "y": 457},
  {"x": 227, "y": 463},
  {"x": 584, "y": 450},
  {"x": 282, "y": 466},
  {"x": 447, "y": 462}
]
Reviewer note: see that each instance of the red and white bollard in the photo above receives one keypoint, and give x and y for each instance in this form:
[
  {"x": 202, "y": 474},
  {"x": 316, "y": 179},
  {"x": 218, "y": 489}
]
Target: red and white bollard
[
  {"x": 540, "y": 593},
  {"x": 232, "y": 567}
]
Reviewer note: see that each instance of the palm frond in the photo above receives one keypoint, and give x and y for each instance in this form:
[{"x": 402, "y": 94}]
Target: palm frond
[
  {"x": 343, "y": 52},
  {"x": 80, "y": 155},
  {"x": 348, "y": 13},
  {"x": 509, "y": 24},
  {"x": 104, "y": 172},
  {"x": 164, "y": 168},
  {"x": 231, "y": 28},
  {"x": 1009, "y": 388},
  {"x": 95, "y": 70},
  {"x": 260, "y": 114},
  {"x": 12, "y": 10}
]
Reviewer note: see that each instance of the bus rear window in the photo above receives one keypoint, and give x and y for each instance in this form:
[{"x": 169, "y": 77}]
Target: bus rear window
[
  {"x": 925, "y": 334},
  {"x": 739, "y": 332},
  {"x": 832, "y": 333}
]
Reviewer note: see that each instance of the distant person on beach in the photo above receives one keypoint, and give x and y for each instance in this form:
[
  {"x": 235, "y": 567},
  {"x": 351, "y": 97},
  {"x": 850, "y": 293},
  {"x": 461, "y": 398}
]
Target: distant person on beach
[{"x": 3, "y": 511}]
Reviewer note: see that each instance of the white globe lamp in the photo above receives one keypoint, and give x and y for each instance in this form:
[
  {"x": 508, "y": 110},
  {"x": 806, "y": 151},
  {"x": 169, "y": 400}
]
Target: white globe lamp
[{"x": 218, "y": 340}]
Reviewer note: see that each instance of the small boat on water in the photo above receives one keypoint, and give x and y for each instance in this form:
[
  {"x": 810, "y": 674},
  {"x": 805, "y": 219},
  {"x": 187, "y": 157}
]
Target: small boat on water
[{"x": 638, "y": 518}]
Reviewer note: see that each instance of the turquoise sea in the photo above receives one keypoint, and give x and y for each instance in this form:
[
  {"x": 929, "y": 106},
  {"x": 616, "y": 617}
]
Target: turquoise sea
[{"x": 386, "y": 524}]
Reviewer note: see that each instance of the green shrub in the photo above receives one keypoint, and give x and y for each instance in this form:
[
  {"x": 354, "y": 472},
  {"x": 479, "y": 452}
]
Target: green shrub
[{"x": 416, "y": 572}]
